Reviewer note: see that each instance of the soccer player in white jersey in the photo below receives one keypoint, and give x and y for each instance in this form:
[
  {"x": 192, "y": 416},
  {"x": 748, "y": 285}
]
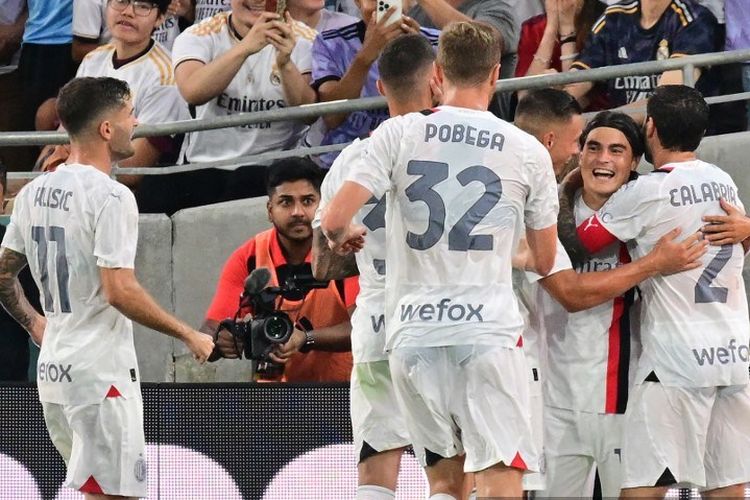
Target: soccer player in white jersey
[
  {"x": 460, "y": 180},
  {"x": 554, "y": 118},
  {"x": 77, "y": 230},
  {"x": 380, "y": 433},
  {"x": 686, "y": 421}
]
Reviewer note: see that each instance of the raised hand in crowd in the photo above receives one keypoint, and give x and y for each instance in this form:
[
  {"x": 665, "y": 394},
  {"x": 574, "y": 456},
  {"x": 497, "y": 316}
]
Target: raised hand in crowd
[
  {"x": 379, "y": 33},
  {"x": 259, "y": 35},
  {"x": 283, "y": 40},
  {"x": 180, "y": 8}
]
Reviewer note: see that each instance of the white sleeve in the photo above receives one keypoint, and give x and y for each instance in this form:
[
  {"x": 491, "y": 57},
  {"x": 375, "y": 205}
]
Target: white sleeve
[
  {"x": 302, "y": 55},
  {"x": 334, "y": 178},
  {"x": 542, "y": 204},
  {"x": 87, "y": 19},
  {"x": 633, "y": 209},
  {"x": 160, "y": 104},
  {"x": 116, "y": 230},
  {"x": 562, "y": 262},
  {"x": 373, "y": 170},
  {"x": 188, "y": 46}
]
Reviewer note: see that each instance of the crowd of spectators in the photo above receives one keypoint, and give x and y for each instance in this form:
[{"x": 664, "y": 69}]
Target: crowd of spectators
[{"x": 212, "y": 58}]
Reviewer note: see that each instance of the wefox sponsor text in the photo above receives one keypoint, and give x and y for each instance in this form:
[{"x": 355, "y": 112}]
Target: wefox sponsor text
[
  {"x": 731, "y": 353},
  {"x": 442, "y": 311}
]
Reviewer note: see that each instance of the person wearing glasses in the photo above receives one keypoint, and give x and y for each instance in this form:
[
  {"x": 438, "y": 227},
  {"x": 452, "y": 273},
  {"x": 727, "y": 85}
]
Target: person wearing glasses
[{"x": 133, "y": 56}]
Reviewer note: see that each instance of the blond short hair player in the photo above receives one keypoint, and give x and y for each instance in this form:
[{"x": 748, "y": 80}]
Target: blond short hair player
[
  {"x": 461, "y": 181},
  {"x": 77, "y": 229}
]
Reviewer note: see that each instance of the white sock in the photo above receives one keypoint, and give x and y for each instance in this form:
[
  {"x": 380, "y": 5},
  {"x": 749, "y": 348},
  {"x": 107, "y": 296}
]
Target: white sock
[
  {"x": 372, "y": 492},
  {"x": 442, "y": 496},
  {"x": 473, "y": 495}
]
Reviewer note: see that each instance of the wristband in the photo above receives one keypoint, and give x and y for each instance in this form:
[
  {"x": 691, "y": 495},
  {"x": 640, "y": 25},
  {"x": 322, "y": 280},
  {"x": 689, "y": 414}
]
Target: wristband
[
  {"x": 541, "y": 60},
  {"x": 569, "y": 56},
  {"x": 309, "y": 342},
  {"x": 568, "y": 39}
]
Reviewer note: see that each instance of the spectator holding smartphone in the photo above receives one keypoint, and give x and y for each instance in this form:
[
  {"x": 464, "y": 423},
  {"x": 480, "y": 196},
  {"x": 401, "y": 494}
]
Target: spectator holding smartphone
[
  {"x": 343, "y": 68},
  {"x": 241, "y": 61}
]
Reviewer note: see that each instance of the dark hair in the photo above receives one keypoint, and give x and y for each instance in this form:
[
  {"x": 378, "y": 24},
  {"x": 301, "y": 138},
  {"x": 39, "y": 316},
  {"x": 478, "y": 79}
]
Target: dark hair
[
  {"x": 680, "y": 116},
  {"x": 584, "y": 21},
  {"x": 619, "y": 121},
  {"x": 468, "y": 50},
  {"x": 83, "y": 100},
  {"x": 402, "y": 61},
  {"x": 290, "y": 170},
  {"x": 538, "y": 107},
  {"x": 162, "y": 5}
]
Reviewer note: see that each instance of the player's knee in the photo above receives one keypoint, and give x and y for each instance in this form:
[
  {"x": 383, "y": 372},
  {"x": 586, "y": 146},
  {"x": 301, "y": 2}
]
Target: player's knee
[{"x": 379, "y": 468}]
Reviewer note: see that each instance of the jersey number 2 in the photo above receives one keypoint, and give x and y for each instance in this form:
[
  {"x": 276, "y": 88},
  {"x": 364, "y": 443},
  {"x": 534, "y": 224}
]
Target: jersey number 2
[
  {"x": 42, "y": 236},
  {"x": 459, "y": 237},
  {"x": 704, "y": 292}
]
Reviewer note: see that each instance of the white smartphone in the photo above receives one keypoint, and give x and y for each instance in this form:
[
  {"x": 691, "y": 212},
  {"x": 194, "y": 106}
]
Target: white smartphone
[{"x": 384, "y": 5}]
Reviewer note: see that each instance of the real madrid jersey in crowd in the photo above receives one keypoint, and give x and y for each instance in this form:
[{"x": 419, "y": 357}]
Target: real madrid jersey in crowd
[
  {"x": 694, "y": 327},
  {"x": 617, "y": 37},
  {"x": 460, "y": 180},
  {"x": 90, "y": 22},
  {"x": 255, "y": 87},
  {"x": 368, "y": 319},
  {"x": 589, "y": 353},
  {"x": 69, "y": 223},
  {"x": 156, "y": 98}
]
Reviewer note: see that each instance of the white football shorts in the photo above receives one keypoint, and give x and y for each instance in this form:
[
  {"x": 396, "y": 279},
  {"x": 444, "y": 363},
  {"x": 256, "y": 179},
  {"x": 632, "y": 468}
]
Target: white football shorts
[
  {"x": 376, "y": 419},
  {"x": 701, "y": 434},
  {"x": 472, "y": 399},
  {"x": 103, "y": 445}
]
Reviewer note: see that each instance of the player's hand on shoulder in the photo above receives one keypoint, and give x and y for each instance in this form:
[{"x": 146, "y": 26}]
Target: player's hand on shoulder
[
  {"x": 727, "y": 229},
  {"x": 200, "y": 344},
  {"x": 671, "y": 256}
]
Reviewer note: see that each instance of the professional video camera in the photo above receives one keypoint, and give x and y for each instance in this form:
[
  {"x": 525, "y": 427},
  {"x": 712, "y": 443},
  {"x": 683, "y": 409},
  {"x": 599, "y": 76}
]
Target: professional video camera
[{"x": 267, "y": 326}]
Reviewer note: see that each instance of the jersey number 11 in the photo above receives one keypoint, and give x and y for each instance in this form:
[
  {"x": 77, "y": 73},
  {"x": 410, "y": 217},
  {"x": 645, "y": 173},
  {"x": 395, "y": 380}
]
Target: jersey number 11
[{"x": 42, "y": 236}]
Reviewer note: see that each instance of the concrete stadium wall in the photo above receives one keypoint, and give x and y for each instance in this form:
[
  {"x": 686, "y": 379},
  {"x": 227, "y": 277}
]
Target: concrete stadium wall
[{"x": 179, "y": 262}]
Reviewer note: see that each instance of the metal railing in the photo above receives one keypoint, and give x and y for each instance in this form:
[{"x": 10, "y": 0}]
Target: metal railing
[{"x": 686, "y": 64}]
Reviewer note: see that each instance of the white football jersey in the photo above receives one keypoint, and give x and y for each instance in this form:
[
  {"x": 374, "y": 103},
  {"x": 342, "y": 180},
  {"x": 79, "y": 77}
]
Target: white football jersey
[
  {"x": 255, "y": 87},
  {"x": 694, "y": 327},
  {"x": 460, "y": 181},
  {"x": 166, "y": 33},
  {"x": 205, "y": 9},
  {"x": 368, "y": 320},
  {"x": 589, "y": 353},
  {"x": 69, "y": 223},
  {"x": 541, "y": 314},
  {"x": 156, "y": 98}
]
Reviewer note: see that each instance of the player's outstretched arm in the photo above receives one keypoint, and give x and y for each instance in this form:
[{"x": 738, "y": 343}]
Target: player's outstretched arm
[
  {"x": 125, "y": 294},
  {"x": 336, "y": 220},
  {"x": 328, "y": 265},
  {"x": 580, "y": 291},
  {"x": 728, "y": 229},
  {"x": 12, "y": 297}
]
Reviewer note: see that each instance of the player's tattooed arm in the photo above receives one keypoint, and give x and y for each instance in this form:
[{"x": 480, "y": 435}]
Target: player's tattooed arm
[
  {"x": 566, "y": 221},
  {"x": 12, "y": 297},
  {"x": 328, "y": 265}
]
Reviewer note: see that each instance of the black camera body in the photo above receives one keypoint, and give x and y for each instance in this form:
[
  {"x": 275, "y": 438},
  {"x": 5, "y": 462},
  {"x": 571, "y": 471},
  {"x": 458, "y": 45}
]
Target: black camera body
[{"x": 268, "y": 326}]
